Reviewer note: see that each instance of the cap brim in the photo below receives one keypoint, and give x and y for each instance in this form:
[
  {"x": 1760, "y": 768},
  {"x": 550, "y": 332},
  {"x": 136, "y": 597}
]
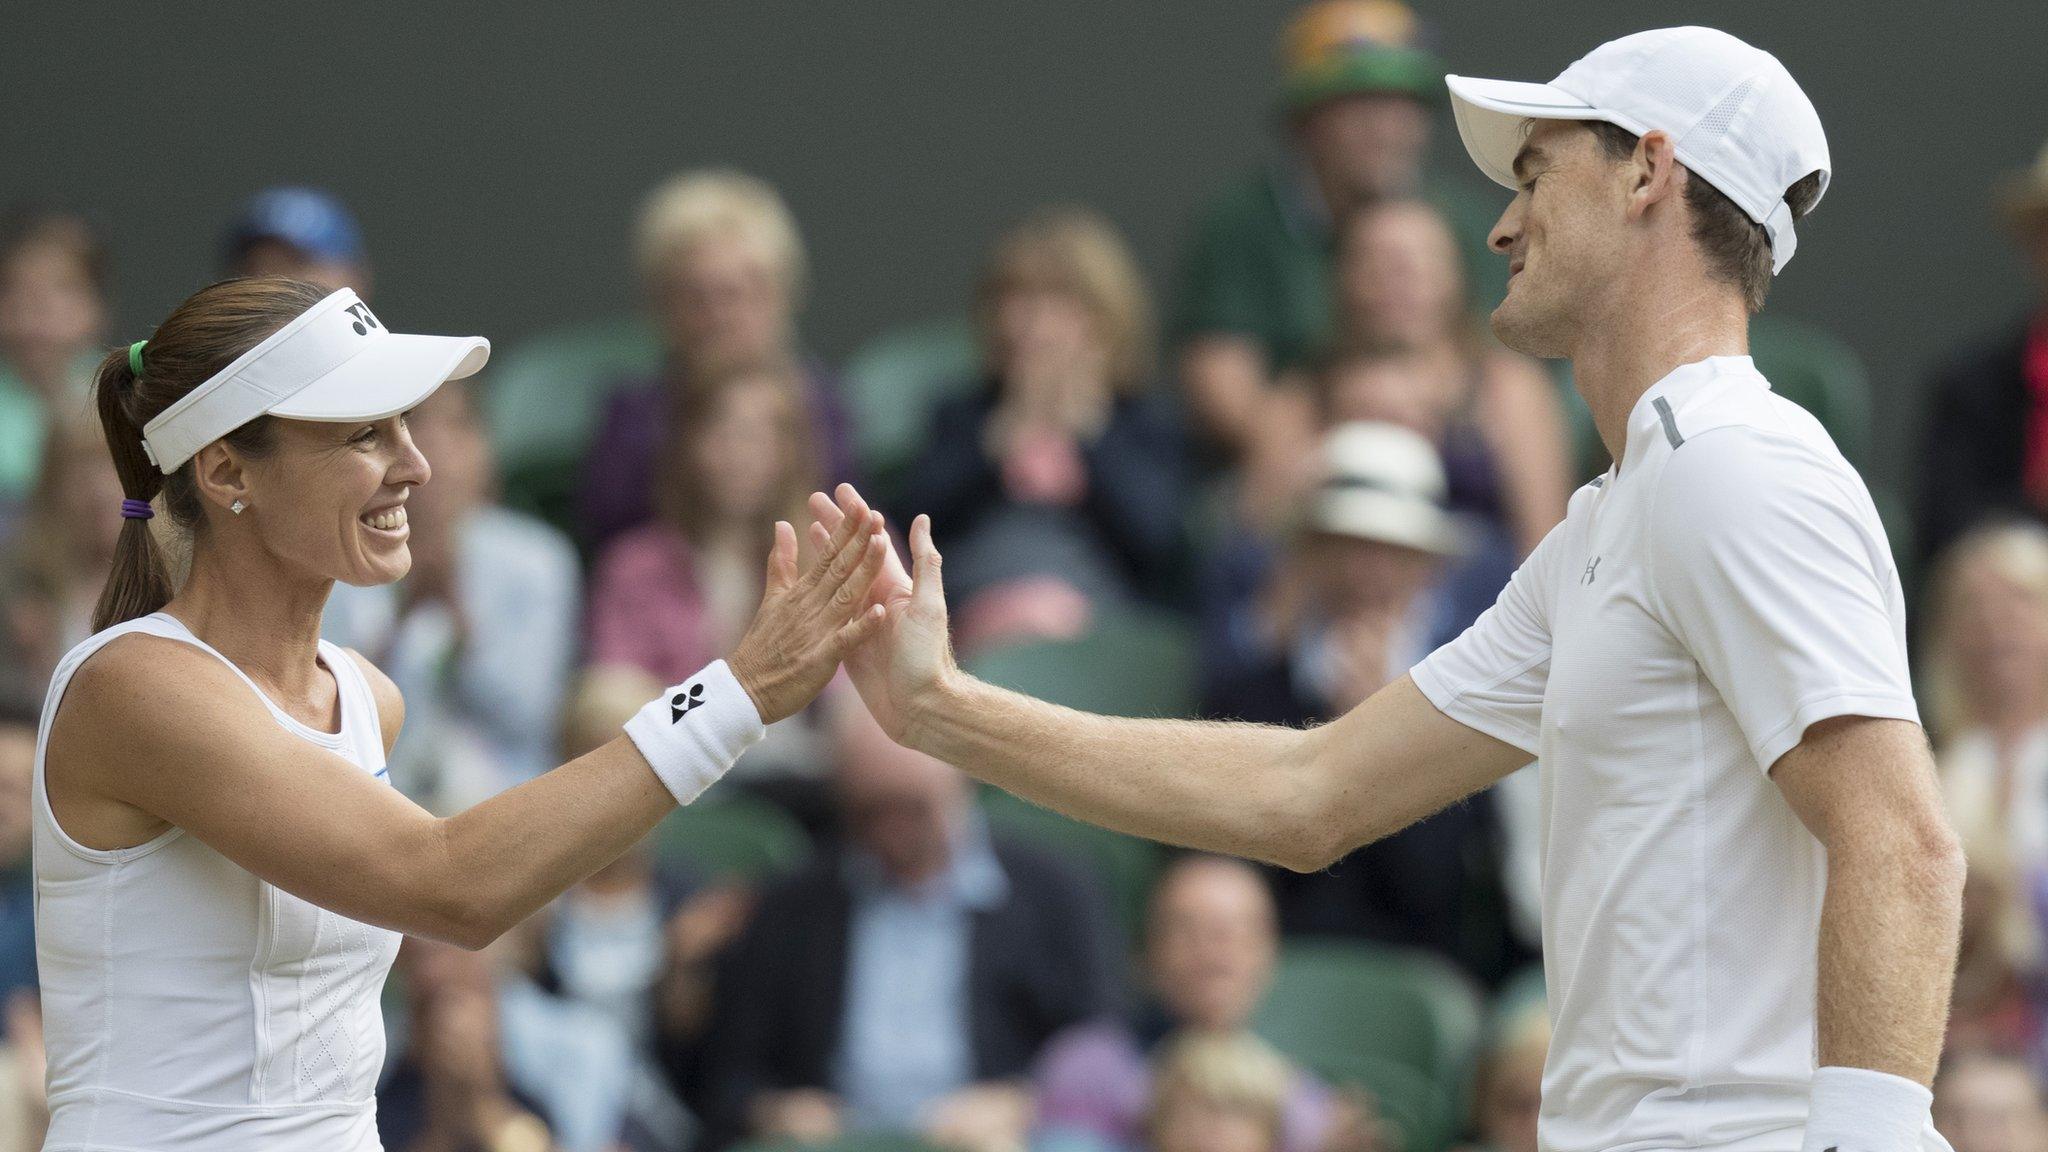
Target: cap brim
[
  {"x": 1490, "y": 114},
  {"x": 389, "y": 376}
]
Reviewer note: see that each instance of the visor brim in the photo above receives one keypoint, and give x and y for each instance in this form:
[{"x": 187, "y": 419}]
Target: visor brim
[{"x": 388, "y": 377}]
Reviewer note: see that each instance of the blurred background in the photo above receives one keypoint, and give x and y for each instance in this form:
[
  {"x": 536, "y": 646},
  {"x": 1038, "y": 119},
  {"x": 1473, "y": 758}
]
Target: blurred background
[{"x": 1128, "y": 297}]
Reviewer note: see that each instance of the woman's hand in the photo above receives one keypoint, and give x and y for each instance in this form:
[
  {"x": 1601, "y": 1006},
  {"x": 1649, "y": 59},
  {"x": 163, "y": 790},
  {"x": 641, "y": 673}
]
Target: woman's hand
[
  {"x": 807, "y": 623},
  {"x": 911, "y": 658}
]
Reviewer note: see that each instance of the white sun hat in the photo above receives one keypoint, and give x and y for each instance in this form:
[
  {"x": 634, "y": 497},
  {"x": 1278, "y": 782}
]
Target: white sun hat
[
  {"x": 333, "y": 362},
  {"x": 1735, "y": 116},
  {"x": 1385, "y": 483}
]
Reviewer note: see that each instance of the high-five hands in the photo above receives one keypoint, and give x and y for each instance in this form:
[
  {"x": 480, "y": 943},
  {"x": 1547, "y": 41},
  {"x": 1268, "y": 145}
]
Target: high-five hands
[
  {"x": 809, "y": 622},
  {"x": 911, "y": 656}
]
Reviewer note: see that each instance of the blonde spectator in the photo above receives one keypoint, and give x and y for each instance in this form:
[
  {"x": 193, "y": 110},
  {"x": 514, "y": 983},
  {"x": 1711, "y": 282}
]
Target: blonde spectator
[
  {"x": 723, "y": 271},
  {"x": 1987, "y": 690},
  {"x": 1219, "y": 1092},
  {"x": 1057, "y": 482}
]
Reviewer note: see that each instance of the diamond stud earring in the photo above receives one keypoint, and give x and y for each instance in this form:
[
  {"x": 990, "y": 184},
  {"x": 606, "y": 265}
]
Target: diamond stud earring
[{"x": 237, "y": 507}]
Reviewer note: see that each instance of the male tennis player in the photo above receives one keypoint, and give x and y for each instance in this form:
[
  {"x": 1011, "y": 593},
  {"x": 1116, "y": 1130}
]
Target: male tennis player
[{"x": 1746, "y": 865}]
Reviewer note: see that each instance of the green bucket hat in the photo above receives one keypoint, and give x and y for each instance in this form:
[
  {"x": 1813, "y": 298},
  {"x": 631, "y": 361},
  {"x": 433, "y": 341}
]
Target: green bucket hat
[{"x": 1343, "y": 47}]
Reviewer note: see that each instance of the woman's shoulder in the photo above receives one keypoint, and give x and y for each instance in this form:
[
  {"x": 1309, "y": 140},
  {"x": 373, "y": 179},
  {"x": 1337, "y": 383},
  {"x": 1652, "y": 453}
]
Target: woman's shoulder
[{"x": 141, "y": 680}]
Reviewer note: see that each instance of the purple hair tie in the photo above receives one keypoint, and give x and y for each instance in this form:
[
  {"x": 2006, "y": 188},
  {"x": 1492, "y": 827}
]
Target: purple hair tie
[{"x": 136, "y": 510}]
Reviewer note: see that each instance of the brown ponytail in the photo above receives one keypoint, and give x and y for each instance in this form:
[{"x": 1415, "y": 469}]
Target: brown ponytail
[{"x": 199, "y": 338}]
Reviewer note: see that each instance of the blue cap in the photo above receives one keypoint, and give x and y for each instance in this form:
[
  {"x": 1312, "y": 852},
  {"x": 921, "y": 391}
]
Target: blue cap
[{"x": 310, "y": 220}]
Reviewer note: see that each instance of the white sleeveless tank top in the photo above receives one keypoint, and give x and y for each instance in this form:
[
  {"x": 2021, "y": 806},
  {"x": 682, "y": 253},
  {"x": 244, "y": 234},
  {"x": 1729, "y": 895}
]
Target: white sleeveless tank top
[{"x": 189, "y": 1005}]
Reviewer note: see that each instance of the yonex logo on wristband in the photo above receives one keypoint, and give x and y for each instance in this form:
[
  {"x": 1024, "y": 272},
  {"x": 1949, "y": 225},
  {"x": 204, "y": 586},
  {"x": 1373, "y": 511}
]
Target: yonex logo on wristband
[{"x": 680, "y": 704}]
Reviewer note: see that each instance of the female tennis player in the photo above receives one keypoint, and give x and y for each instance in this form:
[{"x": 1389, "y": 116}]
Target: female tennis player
[{"x": 222, "y": 870}]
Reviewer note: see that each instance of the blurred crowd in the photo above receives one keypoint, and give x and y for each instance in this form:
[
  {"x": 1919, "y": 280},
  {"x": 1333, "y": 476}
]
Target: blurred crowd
[{"x": 1262, "y": 497}]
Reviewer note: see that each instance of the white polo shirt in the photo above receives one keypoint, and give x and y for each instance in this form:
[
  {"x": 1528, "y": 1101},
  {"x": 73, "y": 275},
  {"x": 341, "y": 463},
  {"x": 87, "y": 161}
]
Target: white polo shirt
[{"x": 1727, "y": 585}]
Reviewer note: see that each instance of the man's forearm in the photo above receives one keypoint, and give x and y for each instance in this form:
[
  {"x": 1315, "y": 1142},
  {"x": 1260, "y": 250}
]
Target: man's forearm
[
  {"x": 1296, "y": 798},
  {"x": 1242, "y": 789},
  {"x": 1888, "y": 937}
]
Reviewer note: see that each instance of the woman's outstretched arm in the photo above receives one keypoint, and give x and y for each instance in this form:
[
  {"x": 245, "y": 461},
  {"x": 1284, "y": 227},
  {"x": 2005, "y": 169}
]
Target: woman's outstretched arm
[{"x": 164, "y": 729}]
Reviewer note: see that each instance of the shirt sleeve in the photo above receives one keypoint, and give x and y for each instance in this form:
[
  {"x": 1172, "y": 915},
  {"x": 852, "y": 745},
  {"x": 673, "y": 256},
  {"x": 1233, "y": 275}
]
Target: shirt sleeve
[
  {"x": 1769, "y": 565},
  {"x": 1219, "y": 291},
  {"x": 1491, "y": 678}
]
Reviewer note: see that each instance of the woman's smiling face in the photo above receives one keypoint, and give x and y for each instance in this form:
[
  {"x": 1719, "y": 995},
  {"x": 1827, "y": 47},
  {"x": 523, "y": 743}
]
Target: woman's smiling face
[{"x": 330, "y": 500}]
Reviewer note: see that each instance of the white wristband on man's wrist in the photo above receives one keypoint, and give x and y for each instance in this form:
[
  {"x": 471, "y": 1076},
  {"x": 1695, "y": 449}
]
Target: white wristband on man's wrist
[
  {"x": 692, "y": 733},
  {"x": 1862, "y": 1110}
]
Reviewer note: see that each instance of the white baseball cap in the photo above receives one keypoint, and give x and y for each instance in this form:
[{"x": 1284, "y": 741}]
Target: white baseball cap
[
  {"x": 1385, "y": 483},
  {"x": 1736, "y": 116},
  {"x": 333, "y": 362}
]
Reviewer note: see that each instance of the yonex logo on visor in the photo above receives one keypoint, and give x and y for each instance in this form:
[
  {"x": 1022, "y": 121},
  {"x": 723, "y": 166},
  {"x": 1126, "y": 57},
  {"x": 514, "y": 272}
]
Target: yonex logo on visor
[{"x": 333, "y": 362}]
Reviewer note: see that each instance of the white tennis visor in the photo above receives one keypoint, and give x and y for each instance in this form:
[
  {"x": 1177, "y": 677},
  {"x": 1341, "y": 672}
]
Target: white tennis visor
[{"x": 334, "y": 362}]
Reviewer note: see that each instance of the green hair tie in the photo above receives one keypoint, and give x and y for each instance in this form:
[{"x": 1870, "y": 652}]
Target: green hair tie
[{"x": 135, "y": 357}]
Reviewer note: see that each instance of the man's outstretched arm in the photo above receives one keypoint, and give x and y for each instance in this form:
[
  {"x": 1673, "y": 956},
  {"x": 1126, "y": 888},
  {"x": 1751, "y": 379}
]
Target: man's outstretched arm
[
  {"x": 1300, "y": 798},
  {"x": 1294, "y": 797}
]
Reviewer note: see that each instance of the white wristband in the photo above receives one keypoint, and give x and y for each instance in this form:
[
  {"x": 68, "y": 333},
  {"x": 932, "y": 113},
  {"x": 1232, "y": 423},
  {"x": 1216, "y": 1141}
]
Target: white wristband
[
  {"x": 1860, "y": 1110},
  {"x": 692, "y": 733}
]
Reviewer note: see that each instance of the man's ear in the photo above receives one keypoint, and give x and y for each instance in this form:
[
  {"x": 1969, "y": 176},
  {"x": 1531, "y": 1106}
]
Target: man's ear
[
  {"x": 1654, "y": 173},
  {"x": 220, "y": 475}
]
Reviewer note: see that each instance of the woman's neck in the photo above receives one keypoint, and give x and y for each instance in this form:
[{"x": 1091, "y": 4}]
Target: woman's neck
[{"x": 256, "y": 614}]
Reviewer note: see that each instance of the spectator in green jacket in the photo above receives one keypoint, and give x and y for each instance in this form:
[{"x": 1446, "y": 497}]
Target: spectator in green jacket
[{"x": 1361, "y": 89}]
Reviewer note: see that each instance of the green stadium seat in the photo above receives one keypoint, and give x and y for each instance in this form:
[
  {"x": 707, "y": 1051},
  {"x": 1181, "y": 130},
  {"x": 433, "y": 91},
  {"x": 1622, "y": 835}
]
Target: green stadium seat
[
  {"x": 1813, "y": 369},
  {"x": 1127, "y": 866},
  {"x": 892, "y": 385},
  {"x": 1132, "y": 662},
  {"x": 736, "y": 837},
  {"x": 542, "y": 400},
  {"x": 1403, "y": 1024},
  {"x": 1426, "y": 1114}
]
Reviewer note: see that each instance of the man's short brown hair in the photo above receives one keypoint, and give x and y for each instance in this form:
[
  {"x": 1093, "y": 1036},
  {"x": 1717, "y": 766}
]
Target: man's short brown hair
[{"x": 1737, "y": 248}]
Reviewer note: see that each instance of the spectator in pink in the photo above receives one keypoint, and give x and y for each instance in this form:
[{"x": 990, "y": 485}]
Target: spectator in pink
[
  {"x": 723, "y": 269},
  {"x": 674, "y": 592},
  {"x": 1211, "y": 942}
]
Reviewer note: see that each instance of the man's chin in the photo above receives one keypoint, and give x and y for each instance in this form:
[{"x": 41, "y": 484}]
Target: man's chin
[{"x": 1516, "y": 330}]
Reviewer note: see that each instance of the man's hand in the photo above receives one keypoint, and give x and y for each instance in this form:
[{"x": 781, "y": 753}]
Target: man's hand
[
  {"x": 808, "y": 623},
  {"x": 912, "y": 656}
]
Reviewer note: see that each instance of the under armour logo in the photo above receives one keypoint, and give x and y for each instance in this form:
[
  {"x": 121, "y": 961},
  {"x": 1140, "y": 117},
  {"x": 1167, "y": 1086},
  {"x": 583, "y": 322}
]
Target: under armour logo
[
  {"x": 1592, "y": 566},
  {"x": 364, "y": 321},
  {"x": 681, "y": 703}
]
